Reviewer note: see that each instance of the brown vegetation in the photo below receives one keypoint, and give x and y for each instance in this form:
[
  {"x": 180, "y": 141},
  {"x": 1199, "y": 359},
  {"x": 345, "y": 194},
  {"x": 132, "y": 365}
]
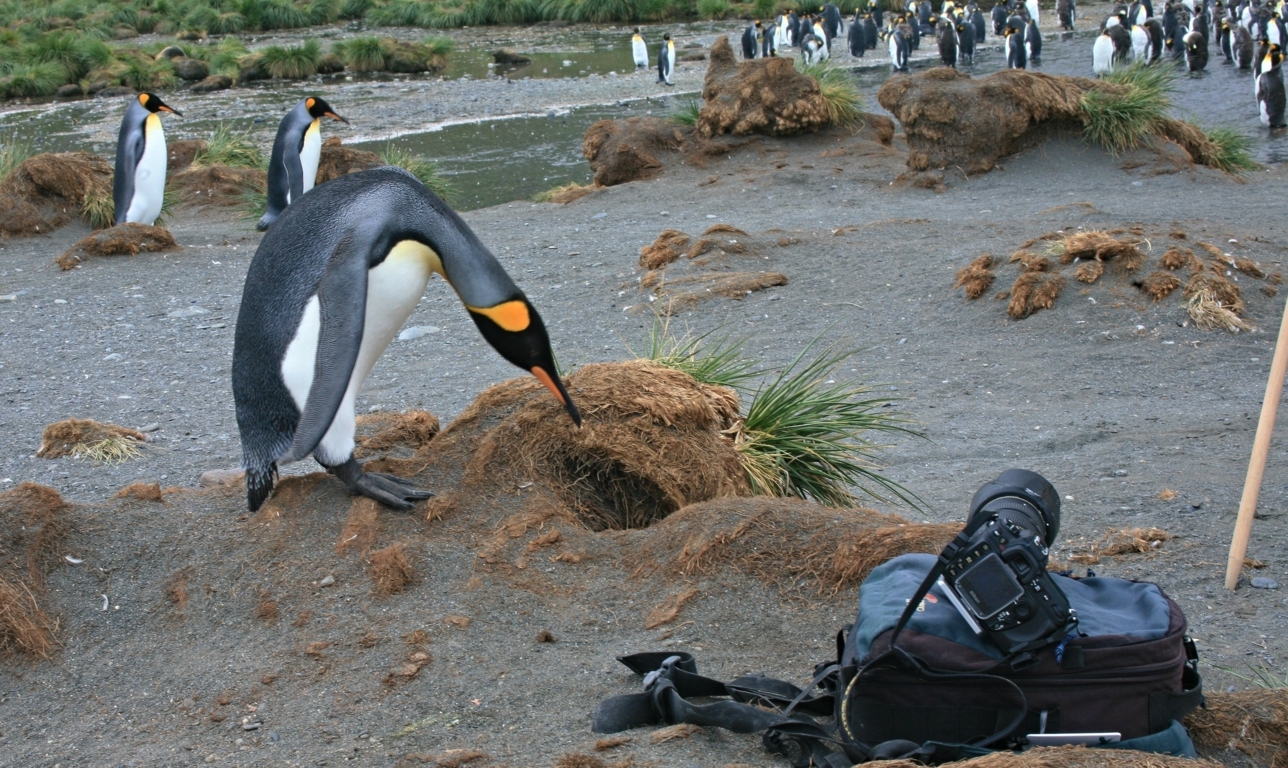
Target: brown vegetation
[
  {"x": 1253, "y": 722},
  {"x": 665, "y": 249},
  {"x": 34, "y": 519},
  {"x": 218, "y": 184},
  {"x": 128, "y": 239},
  {"x": 976, "y": 277},
  {"x": 337, "y": 160},
  {"x": 1159, "y": 285},
  {"x": 48, "y": 191},
  {"x": 766, "y": 96},
  {"x": 627, "y": 150},
  {"x": 141, "y": 492},
  {"x": 391, "y": 570},
  {"x": 71, "y": 436},
  {"x": 382, "y": 431}
]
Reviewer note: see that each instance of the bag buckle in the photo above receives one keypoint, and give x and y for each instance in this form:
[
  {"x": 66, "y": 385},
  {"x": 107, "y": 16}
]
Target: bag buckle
[{"x": 668, "y": 665}]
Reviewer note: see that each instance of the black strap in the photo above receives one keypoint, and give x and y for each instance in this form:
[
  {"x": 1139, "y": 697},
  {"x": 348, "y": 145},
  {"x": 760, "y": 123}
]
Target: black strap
[{"x": 1165, "y": 706}]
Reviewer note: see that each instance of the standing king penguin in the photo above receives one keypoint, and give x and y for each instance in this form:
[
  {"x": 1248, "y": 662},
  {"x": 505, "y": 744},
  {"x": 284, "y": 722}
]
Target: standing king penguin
[
  {"x": 330, "y": 285},
  {"x": 138, "y": 185},
  {"x": 639, "y": 50},
  {"x": 293, "y": 165},
  {"x": 666, "y": 59}
]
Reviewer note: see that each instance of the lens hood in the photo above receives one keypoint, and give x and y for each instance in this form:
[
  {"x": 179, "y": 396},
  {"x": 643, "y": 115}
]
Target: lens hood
[{"x": 1026, "y": 485}]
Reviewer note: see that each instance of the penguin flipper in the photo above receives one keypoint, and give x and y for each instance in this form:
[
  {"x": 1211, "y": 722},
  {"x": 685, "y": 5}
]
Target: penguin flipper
[
  {"x": 129, "y": 152},
  {"x": 342, "y": 305}
]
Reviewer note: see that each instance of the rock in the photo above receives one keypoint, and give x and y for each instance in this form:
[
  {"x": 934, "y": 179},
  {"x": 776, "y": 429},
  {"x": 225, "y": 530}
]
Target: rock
[
  {"x": 190, "y": 35},
  {"x": 330, "y": 64},
  {"x": 326, "y": 581},
  {"x": 216, "y": 477},
  {"x": 252, "y": 68},
  {"x": 213, "y": 83},
  {"x": 406, "y": 58},
  {"x": 171, "y": 52},
  {"x": 192, "y": 311},
  {"x": 762, "y": 96},
  {"x": 182, "y": 152},
  {"x": 191, "y": 69},
  {"x": 626, "y": 150},
  {"x": 153, "y": 427},
  {"x": 113, "y": 91},
  {"x": 96, "y": 86},
  {"x": 1120, "y": 473},
  {"x": 1261, "y": 582},
  {"x": 69, "y": 91},
  {"x": 510, "y": 58},
  {"x": 416, "y": 331}
]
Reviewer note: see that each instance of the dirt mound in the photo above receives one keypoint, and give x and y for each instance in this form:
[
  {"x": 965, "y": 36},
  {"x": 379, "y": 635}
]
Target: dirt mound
[
  {"x": 627, "y": 150},
  {"x": 763, "y": 96},
  {"x": 337, "y": 160},
  {"x": 1213, "y": 299},
  {"x": 1252, "y": 722},
  {"x": 571, "y": 192},
  {"x": 47, "y": 191},
  {"x": 785, "y": 542},
  {"x": 379, "y": 432},
  {"x": 73, "y": 437},
  {"x": 129, "y": 239},
  {"x": 218, "y": 184},
  {"x": 1063, "y": 757},
  {"x": 33, "y": 518},
  {"x": 707, "y": 270},
  {"x": 182, "y": 152}
]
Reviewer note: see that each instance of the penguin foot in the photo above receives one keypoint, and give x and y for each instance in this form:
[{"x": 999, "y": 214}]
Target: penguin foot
[{"x": 389, "y": 490}]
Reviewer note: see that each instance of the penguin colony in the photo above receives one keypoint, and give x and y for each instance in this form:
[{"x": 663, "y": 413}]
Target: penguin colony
[{"x": 1249, "y": 34}]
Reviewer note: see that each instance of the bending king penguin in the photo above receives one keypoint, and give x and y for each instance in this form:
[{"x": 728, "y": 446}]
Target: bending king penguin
[{"x": 138, "y": 185}]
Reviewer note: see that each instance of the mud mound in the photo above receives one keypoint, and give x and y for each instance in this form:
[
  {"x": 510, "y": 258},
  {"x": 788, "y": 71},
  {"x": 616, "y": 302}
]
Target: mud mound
[
  {"x": 683, "y": 273},
  {"x": 72, "y": 437},
  {"x": 378, "y": 432},
  {"x": 129, "y": 239},
  {"x": 785, "y": 542},
  {"x": 182, "y": 152},
  {"x": 337, "y": 160},
  {"x": 1063, "y": 757},
  {"x": 627, "y": 150},
  {"x": 218, "y": 184},
  {"x": 47, "y": 191},
  {"x": 570, "y": 192},
  {"x": 1213, "y": 299},
  {"x": 1253, "y": 722},
  {"x": 763, "y": 96},
  {"x": 33, "y": 518}
]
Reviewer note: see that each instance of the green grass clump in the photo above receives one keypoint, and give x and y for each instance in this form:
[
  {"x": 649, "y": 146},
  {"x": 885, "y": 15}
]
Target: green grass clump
[
  {"x": 292, "y": 62},
  {"x": 323, "y": 11},
  {"x": 99, "y": 209},
  {"x": 401, "y": 13},
  {"x": 719, "y": 361},
  {"x": 1234, "y": 151},
  {"x": 273, "y": 14},
  {"x": 420, "y": 167},
  {"x": 1120, "y": 121},
  {"x": 232, "y": 149},
  {"x": 143, "y": 74},
  {"x": 362, "y": 54},
  {"x": 713, "y": 10},
  {"x": 12, "y": 153},
  {"x": 687, "y": 114},
  {"x": 28, "y": 80},
  {"x": 225, "y": 58},
  {"x": 764, "y": 9},
  {"x": 1261, "y": 677},
  {"x": 355, "y": 9},
  {"x": 839, "y": 92}
]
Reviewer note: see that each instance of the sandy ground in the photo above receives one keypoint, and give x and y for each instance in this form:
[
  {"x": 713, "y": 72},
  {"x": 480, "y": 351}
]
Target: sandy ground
[{"x": 1112, "y": 397}]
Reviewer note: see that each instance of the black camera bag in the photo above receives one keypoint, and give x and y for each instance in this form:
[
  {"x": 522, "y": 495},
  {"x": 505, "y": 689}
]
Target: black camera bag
[{"x": 1129, "y": 669}]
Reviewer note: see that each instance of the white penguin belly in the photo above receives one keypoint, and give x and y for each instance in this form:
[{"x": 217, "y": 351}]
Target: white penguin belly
[
  {"x": 149, "y": 175},
  {"x": 394, "y": 287},
  {"x": 311, "y": 153},
  {"x": 639, "y": 51}
]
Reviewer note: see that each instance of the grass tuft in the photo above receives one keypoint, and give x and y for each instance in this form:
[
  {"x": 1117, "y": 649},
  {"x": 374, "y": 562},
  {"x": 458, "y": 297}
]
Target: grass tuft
[
  {"x": 292, "y": 62},
  {"x": 362, "y": 54},
  {"x": 422, "y": 168},
  {"x": 713, "y": 10},
  {"x": 1234, "y": 151},
  {"x": 1120, "y": 121},
  {"x": 110, "y": 450},
  {"x": 719, "y": 361},
  {"x": 687, "y": 114},
  {"x": 844, "y": 102},
  {"x": 98, "y": 208},
  {"x": 28, "y": 80},
  {"x": 232, "y": 149},
  {"x": 12, "y": 153}
]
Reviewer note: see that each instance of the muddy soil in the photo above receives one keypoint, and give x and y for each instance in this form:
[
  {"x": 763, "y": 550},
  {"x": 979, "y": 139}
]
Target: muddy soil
[{"x": 1113, "y": 397}]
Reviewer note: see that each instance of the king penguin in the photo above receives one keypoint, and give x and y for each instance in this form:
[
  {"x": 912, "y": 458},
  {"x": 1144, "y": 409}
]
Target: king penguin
[
  {"x": 1017, "y": 56},
  {"x": 293, "y": 165},
  {"x": 1270, "y": 98},
  {"x": 138, "y": 186},
  {"x": 330, "y": 285},
  {"x": 666, "y": 59},
  {"x": 639, "y": 50}
]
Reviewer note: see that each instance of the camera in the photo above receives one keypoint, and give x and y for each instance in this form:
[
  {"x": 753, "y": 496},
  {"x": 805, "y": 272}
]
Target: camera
[{"x": 997, "y": 578}]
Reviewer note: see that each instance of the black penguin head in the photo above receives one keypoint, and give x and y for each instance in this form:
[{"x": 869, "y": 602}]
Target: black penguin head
[
  {"x": 153, "y": 103},
  {"x": 514, "y": 329},
  {"x": 667, "y": 36},
  {"x": 318, "y": 108},
  {"x": 637, "y": 30}
]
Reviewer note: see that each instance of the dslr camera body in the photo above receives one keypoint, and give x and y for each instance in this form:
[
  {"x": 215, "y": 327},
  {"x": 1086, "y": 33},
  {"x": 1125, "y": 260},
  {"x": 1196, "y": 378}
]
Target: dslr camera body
[{"x": 995, "y": 571}]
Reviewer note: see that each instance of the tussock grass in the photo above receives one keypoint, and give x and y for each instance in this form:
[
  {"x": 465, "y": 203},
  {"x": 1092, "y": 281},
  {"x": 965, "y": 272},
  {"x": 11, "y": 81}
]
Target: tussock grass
[
  {"x": 28, "y": 80},
  {"x": 713, "y": 10},
  {"x": 292, "y": 62},
  {"x": 110, "y": 450},
  {"x": 844, "y": 102},
  {"x": 1260, "y": 676},
  {"x": 230, "y": 148},
  {"x": 687, "y": 114},
  {"x": 716, "y": 360},
  {"x": 1234, "y": 153},
  {"x": 422, "y": 168},
  {"x": 99, "y": 209},
  {"x": 12, "y": 152},
  {"x": 143, "y": 74},
  {"x": 362, "y": 54},
  {"x": 1120, "y": 121}
]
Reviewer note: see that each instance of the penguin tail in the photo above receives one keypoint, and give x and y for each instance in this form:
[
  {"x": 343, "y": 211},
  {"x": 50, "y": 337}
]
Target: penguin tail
[{"x": 259, "y": 485}]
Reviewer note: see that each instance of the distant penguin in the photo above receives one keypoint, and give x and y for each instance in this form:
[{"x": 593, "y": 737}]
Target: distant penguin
[
  {"x": 966, "y": 43},
  {"x": 767, "y": 47},
  {"x": 976, "y": 18},
  {"x": 900, "y": 50},
  {"x": 781, "y": 39},
  {"x": 1260, "y": 65},
  {"x": 870, "y": 31},
  {"x": 1066, "y": 13},
  {"x": 793, "y": 29},
  {"x": 948, "y": 42},
  {"x": 751, "y": 41},
  {"x": 1122, "y": 43},
  {"x": 832, "y": 22},
  {"x": 138, "y": 186},
  {"x": 666, "y": 59},
  {"x": 1241, "y": 47},
  {"x": 1016, "y": 55},
  {"x": 1139, "y": 42},
  {"x": 857, "y": 38},
  {"x": 293, "y": 165},
  {"x": 639, "y": 49},
  {"x": 1035, "y": 13},
  {"x": 1196, "y": 52},
  {"x": 1102, "y": 54},
  {"x": 1270, "y": 100},
  {"x": 812, "y": 49},
  {"x": 821, "y": 34},
  {"x": 1136, "y": 13},
  {"x": 1033, "y": 42},
  {"x": 1224, "y": 38},
  {"x": 912, "y": 31},
  {"x": 331, "y": 283},
  {"x": 878, "y": 15},
  {"x": 922, "y": 19}
]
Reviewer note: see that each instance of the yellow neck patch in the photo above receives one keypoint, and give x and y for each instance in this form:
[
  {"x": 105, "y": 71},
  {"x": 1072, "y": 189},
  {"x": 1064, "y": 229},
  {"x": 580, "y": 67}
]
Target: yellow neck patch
[{"x": 511, "y": 315}]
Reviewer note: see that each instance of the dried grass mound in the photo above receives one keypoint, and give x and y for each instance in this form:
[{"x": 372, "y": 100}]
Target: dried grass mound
[
  {"x": 1217, "y": 288},
  {"x": 85, "y": 437},
  {"x": 1160, "y": 284},
  {"x": 620, "y": 151},
  {"x": 218, "y": 184},
  {"x": 683, "y": 293},
  {"x": 181, "y": 153},
  {"x": 141, "y": 492},
  {"x": 391, "y": 570},
  {"x": 1022, "y": 295},
  {"x": 1031, "y": 262},
  {"x": 668, "y": 247},
  {"x": 782, "y": 541},
  {"x": 48, "y": 191},
  {"x": 338, "y": 160},
  {"x": 1249, "y": 268},
  {"x": 653, "y": 440},
  {"x": 34, "y": 519},
  {"x": 1064, "y": 757},
  {"x": 570, "y": 192},
  {"x": 952, "y": 119},
  {"x": 976, "y": 277},
  {"x": 128, "y": 239},
  {"x": 1176, "y": 258},
  {"x": 1089, "y": 271},
  {"x": 1122, "y": 541},
  {"x": 763, "y": 96},
  {"x": 379, "y": 432},
  {"x": 1209, "y": 313},
  {"x": 1100, "y": 246},
  {"x": 1252, "y": 722}
]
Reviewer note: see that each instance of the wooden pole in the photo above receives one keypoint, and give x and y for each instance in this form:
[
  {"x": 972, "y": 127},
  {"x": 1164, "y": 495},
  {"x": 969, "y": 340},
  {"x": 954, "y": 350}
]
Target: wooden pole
[{"x": 1257, "y": 465}]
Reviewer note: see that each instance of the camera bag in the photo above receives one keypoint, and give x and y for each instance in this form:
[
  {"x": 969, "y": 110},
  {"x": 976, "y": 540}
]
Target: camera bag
[{"x": 925, "y": 687}]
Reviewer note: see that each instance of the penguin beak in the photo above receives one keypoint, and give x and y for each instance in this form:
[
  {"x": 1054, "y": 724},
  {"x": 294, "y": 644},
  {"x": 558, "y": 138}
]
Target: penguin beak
[
  {"x": 515, "y": 330},
  {"x": 556, "y": 387},
  {"x": 337, "y": 117},
  {"x": 170, "y": 109}
]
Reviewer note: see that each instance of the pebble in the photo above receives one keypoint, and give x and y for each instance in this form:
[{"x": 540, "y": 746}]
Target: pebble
[
  {"x": 326, "y": 581},
  {"x": 211, "y": 758},
  {"x": 1120, "y": 473},
  {"x": 1261, "y": 582},
  {"x": 273, "y": 738},
  {"x": 600, "y": 215},
  {"x": 192, "y": 311},
  {"x": 113, "y": 356},
  {"x": 416, "y": 331},
  {"x": 153, "y": 427},
  {"x": 251, "y": 726}
]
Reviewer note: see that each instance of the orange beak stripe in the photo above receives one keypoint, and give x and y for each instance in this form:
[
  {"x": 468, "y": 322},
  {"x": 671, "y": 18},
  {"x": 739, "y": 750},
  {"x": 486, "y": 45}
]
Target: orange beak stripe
[
  {"x": 511, "y": 316},
  {"x": 544, "y": 378}
]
